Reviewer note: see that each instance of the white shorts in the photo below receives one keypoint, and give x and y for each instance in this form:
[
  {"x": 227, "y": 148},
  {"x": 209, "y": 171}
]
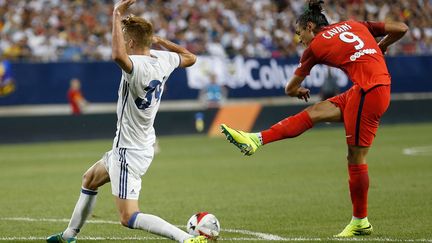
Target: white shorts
[{"x": 125, "y": 168}]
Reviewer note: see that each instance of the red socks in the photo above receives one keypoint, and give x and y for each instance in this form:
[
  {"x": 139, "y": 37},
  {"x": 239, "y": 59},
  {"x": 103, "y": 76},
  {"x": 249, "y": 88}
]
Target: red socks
[
  {"x": 288, "y": 128},
  {"x": 359, "y": 185}
]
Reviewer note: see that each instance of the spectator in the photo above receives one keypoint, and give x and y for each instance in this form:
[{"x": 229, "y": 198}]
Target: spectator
[
  {"x": 76, "y": 99},
  {"x": 7, "y": 83},
  {"x": 41, "y": 30},
  {"x": 213, "y": 95}
]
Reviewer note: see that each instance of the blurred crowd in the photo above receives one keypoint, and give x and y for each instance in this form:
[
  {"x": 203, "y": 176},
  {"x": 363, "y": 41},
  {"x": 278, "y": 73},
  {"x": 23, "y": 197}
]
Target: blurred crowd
[{"x": 80, "y": 30}]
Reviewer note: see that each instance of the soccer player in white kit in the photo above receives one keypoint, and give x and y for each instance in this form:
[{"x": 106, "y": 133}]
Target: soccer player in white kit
[{"x": 144, "y": 73}]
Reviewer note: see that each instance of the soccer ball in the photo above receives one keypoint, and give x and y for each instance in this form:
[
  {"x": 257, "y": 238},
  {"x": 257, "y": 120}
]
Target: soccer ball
[{"x": 205, "y": 224}]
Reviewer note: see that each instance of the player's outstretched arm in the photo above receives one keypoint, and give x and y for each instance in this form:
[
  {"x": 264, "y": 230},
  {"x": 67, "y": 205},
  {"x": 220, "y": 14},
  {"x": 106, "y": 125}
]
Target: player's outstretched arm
[
  {"x": 294, "y": 88},
  {"x": 119, "y": 54},
  {"x": 395, "y": 31},
  {"x": 187, "y": 58}
]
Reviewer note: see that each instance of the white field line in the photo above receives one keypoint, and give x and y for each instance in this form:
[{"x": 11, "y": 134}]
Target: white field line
[
  {"x": 24, "y": 219},
  {"x": 52, "y": 156},
  {"x": 300, "y": 239},
  {"x": 258, "y": 236},
  {"x": 418, "y": 151},
  {"x": 97, "y": 238}
]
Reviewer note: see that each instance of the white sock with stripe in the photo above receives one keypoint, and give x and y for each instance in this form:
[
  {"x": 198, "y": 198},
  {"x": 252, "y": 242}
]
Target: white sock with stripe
[
  {"x": 83, "y": 209},
  {"x": 259, "y": 135},
  {"x": 156, "y": 225}
]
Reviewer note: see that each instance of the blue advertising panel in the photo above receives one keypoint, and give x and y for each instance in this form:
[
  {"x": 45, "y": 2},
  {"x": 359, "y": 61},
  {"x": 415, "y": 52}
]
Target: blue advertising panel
[{"x": 48, "y": 83}]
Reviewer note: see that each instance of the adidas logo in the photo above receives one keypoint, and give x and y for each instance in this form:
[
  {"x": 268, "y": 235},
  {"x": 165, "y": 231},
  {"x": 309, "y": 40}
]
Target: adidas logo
[{"x": 133, "y": 191}]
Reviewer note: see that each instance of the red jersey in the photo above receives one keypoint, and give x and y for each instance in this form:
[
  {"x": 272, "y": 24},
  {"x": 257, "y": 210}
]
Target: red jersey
[
  {"x": 74, "y": 97},
  {"x": 350, "y": 46}
]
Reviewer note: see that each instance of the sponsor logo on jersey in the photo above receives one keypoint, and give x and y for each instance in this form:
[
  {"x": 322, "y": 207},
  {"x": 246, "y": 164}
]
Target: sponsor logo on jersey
[{"x": 360, "y": 53}]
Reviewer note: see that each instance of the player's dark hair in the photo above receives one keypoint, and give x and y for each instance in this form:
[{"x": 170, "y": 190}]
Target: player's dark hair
[{"x": 313, "y": 14}]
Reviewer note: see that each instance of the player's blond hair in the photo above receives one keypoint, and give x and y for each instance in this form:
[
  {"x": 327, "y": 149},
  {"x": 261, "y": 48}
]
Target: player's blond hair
[{"x": 139, "y": 30}]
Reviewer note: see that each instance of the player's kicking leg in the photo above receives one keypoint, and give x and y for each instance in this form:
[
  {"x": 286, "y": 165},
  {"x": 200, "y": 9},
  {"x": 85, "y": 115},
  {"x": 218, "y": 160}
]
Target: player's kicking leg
[
  {"x": 290, "y": 127},
  {"x": 95, "y": 177}
]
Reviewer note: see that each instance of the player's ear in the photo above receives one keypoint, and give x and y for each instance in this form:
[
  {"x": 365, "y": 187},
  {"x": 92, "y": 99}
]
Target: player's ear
[{"x": 310, "y": 26}]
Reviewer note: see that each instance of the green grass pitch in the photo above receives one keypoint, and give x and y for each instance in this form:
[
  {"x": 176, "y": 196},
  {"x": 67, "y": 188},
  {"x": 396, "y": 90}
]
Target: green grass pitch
[{"x": 294, "y": 189}]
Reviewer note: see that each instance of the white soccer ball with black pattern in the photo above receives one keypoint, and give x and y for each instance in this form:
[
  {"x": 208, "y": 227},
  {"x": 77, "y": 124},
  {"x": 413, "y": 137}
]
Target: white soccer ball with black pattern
[{"x": 204, "y": 223}]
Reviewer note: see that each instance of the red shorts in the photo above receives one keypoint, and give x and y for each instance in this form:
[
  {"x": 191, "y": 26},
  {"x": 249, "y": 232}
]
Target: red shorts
[{"x": 361, "y": 112}]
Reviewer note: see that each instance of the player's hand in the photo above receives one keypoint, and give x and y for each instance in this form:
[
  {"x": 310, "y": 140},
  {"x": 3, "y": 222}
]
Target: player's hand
[
  {"x": 123, "y": 5},
  {"x": 303, "y": 94},
  {"x": 155, "y": 39}
]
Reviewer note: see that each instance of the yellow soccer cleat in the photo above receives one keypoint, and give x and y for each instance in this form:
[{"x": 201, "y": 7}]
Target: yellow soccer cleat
[
  {"x": 248, "y": 143},
  {"x": 356, "y": 227},
  {"x": 196, "y": 239}
]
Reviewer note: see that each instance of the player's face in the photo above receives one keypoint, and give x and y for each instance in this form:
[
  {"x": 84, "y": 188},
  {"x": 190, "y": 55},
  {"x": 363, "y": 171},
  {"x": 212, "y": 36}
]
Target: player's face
[
  {"x": 75, "y": 84},
  {"x": 305, "y": 34}
]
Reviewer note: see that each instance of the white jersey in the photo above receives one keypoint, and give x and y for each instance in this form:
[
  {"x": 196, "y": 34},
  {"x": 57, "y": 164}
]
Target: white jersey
[{"x": 139, "y": 95}]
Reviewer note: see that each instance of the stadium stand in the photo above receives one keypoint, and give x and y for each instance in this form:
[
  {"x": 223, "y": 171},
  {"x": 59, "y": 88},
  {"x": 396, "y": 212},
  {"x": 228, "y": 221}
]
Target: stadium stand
[{"x": 59, "y": 30}]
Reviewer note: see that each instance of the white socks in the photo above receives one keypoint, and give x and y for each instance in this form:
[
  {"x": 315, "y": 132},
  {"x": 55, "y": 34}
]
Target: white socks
[
  {"x": 259, "y": 135},
  {"x": 147, "y": 222},
  {"x": 83, "y": 209},
  {"x": 156, "y": 225}
]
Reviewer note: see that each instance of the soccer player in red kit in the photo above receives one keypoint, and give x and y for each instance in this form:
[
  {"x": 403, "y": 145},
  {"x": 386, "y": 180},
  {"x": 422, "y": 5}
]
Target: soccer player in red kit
[
  {"x": 350, "y": 46},
  {"x": 75, "y": 97}
]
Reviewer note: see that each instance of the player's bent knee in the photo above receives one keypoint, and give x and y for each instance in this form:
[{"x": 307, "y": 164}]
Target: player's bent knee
[
  {"x": 124, "y": 221},
  {"x": 88, "y": 181},
  {"x": 86, "y": 178},
  {"x": 315, "y": 113},
  {"x": 323, "y": 111}
]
